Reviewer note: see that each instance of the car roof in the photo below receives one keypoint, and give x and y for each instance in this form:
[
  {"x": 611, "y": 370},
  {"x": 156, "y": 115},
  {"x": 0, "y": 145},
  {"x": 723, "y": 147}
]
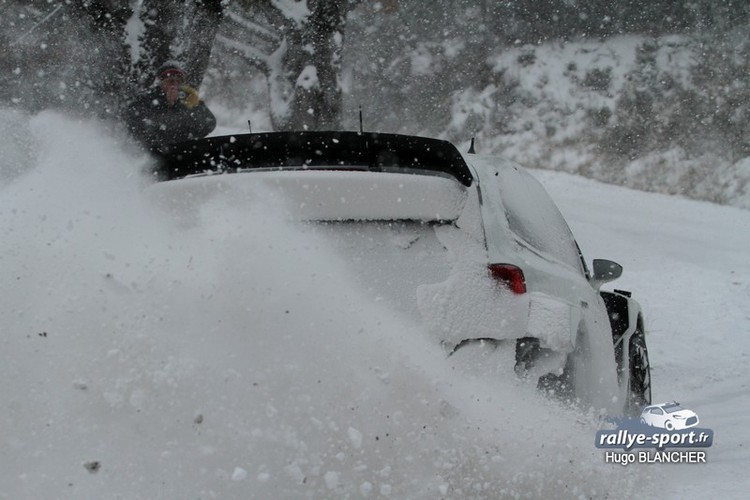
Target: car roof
[
  {"x": 343, "y": 150},
  {"x": 662, "y": 405}
]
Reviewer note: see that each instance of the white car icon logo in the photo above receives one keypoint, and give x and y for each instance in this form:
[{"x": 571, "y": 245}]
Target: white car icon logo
[{"x": 670, "y": 416}]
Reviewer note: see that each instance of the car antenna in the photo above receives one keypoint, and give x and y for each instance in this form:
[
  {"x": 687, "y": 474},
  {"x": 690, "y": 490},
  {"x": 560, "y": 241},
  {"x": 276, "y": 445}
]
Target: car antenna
[
  {"x": 471, "y": 150},
  {"x": 249, "y": 126},
  {"x": 361, "y": 129}
]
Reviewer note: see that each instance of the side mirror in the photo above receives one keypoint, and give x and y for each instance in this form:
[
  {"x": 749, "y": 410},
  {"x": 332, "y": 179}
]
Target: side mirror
[{"x": 604, "y": 272}]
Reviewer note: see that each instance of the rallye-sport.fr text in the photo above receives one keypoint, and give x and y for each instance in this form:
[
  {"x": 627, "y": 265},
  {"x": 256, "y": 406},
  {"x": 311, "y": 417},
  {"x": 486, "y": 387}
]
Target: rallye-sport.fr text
[{"x": 625, "y": 439}]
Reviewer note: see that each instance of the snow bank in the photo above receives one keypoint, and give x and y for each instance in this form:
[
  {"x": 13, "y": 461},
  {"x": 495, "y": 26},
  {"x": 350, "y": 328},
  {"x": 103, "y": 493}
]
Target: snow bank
[
  {"x": 555, "y": 106},
  {"x": 234, "y": 358}
]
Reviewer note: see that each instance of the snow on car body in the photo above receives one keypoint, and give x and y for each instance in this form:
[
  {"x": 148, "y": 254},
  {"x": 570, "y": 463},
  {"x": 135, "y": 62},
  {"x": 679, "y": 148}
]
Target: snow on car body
[{"x": 471, "y": 247}]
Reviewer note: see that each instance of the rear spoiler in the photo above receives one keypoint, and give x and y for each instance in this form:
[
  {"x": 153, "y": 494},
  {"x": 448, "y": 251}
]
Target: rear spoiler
[{"x": 367, "y": 151}]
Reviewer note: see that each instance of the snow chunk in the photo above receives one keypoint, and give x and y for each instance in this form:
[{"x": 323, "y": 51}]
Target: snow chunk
[
  {"x": 422, "y": 61},
  {"x": 356, "y": 437},
  {"x": 331, "y": 479},
  {"x": 365, "y": 488},
  {"x": 296, "y": 10},
  {"x": 239, "y": 474},
  {"x": 308, "y": 78}
]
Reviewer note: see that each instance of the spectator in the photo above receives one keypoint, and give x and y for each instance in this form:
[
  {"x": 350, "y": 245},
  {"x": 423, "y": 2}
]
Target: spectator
[{"x": 168, "y": 113}]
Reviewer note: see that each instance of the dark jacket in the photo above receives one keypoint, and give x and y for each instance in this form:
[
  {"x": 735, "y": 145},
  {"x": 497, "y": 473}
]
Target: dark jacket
[{"x": 157, "y": 125}]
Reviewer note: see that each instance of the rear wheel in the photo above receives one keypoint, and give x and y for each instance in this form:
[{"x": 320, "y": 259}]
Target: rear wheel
[{"x": 639, "y": 385}]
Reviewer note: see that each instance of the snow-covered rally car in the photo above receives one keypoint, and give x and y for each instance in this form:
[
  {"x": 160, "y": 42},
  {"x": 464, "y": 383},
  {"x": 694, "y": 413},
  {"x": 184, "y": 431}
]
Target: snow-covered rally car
[{"x": 471, "y": 247}]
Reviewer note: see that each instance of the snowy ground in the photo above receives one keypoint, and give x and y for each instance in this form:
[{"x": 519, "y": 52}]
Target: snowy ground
[
  {"x": 688, "y": 263},
  {"x": 230, "y": 357}
]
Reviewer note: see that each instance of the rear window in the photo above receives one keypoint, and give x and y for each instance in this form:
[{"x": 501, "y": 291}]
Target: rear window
[{"x": 533, "y": 216}]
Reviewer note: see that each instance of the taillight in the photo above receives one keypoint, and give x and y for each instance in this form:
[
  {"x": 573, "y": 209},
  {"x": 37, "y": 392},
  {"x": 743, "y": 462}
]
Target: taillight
[{"x": 509, "y": 276}]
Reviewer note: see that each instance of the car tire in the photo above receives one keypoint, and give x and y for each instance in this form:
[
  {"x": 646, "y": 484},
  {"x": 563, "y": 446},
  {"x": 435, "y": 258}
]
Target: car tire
[
  {"x": 643, "y": 421},
  {"x": 639, "y": 381},
  {"x": 669, "y": 425}
]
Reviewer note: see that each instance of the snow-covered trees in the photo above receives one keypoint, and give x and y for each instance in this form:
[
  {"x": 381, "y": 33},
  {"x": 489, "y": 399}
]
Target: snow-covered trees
[
  {"x": 297, "y": 45},
  {"x": 173, "y": 29},
  {"x": 410, "y": 64},
  {"x": 93, "y": 55},
  {"x": 90, "y": 56}
]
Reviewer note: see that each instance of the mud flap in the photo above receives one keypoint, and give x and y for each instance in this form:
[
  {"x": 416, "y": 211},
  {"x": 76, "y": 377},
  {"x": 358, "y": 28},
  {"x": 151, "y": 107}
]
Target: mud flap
[{"x": 521, "y": 359}]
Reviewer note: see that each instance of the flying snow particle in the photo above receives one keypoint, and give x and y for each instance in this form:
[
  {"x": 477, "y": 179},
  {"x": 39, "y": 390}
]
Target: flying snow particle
[
  {"x": 355, "y": 437},
  {"x": 239, "y": 474},
  {"x": 331, "y": 479}
]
